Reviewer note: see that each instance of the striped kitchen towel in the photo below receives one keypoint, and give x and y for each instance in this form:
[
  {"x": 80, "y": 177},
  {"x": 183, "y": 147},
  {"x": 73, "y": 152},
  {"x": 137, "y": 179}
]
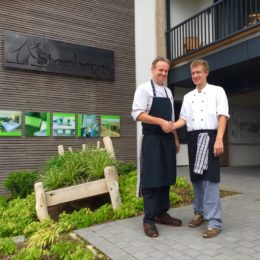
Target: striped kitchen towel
[{"x": 202, "y": 155}]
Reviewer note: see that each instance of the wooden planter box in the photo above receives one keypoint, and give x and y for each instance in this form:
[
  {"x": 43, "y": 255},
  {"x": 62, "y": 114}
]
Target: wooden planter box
[{"x": 107, "y": 185}]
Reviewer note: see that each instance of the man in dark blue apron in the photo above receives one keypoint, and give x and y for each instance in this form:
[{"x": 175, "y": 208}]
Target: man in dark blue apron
[
  {"x": 205, "y": 113},
  {"x": 153, "y": 106}
]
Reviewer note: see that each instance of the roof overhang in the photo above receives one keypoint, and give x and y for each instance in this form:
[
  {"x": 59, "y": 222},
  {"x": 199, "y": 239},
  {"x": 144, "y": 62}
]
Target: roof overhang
[{"x": 235, "y": 68}]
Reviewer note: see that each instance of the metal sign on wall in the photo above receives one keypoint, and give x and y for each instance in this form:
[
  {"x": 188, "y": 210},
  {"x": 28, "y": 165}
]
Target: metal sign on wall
[{"x": 34, "y": 53}]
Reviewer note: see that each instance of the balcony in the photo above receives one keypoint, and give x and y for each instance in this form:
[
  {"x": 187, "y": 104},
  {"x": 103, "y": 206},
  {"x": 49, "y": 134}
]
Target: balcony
[{"x": 220, "y": 24}]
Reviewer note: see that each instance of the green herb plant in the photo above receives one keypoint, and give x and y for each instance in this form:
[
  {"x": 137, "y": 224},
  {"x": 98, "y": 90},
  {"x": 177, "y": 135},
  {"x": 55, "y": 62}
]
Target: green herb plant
[{"x": 75, "y": 167}]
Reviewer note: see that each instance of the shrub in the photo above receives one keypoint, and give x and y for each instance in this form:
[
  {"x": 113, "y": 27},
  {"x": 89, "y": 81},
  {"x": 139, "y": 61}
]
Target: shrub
[
  {"x": 17, "y": 215},
  {"x": 28, "y": 254},
  {"x": 21, "y": 183},
  {"x": 35, "y": 226},
  {"x": 3, "y": 201},
  {"x": 3, "y": 204},
  {"x": 70, "y": 250},
  {"x": 125, "y": 167},
  {"x": 174, "y": 198},
  {"x": 86, "y": 217},
  {"x": 182, "y": 182},
  {"x": 45, "y": 237},
  {"x": 7, "y": 246}
]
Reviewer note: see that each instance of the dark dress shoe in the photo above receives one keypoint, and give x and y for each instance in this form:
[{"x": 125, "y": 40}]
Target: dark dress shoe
[
  {"x": 166, "y": 219},
  {"x": 150, "y": 230}
]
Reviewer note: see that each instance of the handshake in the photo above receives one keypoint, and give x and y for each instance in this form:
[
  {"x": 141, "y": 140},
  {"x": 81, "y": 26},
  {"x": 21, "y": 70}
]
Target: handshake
[{"x": 168, "y": 126}]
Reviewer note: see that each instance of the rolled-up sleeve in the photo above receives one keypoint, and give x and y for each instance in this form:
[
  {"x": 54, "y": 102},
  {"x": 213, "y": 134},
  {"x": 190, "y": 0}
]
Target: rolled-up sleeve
[
  {"x": 222, "y": 103},
  {"x": 140, "y": 102}
]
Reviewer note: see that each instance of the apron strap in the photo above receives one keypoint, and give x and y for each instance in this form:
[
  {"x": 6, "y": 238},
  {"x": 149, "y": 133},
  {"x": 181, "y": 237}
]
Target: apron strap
[{"x": 154, "y": 94}]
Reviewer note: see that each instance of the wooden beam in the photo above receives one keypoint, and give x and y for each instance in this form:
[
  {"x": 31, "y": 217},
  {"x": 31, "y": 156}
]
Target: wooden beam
[
  {"x": 61, "y": 149},
  {"x": 76, "y": 192},
  {"x": 109, "y": 146},
  {"x": 111, "y": 178},
  {"x": 41, "y": 203}
]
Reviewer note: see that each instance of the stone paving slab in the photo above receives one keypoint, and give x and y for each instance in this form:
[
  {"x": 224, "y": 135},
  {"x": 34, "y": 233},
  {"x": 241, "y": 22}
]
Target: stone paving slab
[{"x": 240, "y": 238}]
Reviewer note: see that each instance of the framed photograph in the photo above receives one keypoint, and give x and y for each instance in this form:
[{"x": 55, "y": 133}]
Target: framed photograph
[
  {"x": 110, "y": 125},
  {"x": 88, "y": 125},
  {"x": 63, "y": 124},
  {"x": 37, "y": 124},
  {"x": 10, "y": 123}
]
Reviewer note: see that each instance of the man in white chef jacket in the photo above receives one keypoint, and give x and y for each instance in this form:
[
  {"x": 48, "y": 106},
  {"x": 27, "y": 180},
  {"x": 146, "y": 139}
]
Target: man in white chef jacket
[{"x": 205, "y": 113}]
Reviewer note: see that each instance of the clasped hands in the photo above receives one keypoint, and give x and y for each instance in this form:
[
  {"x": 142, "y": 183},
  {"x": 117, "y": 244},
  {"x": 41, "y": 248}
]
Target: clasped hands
[{"x": 168, "y": 126}]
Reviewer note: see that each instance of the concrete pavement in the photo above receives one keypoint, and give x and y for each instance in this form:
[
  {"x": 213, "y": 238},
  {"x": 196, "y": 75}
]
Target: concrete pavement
[{"x": 239, "y": 239}]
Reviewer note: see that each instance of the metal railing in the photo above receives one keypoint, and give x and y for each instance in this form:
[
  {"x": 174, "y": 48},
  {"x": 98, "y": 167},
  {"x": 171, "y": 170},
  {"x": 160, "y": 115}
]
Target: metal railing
[{"x": 215, "y": 23}]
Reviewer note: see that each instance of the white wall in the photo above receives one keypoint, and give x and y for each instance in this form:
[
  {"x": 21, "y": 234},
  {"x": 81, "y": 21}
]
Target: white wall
[
  {"x": 245, "y": 154},
  {"x": 145, "y": 44},
  {"x": 182, "y": 156},
  {"x": 182, "y": 10},
  {"x": 202, "y": 4},
  {"x": 145, "y": 38}
]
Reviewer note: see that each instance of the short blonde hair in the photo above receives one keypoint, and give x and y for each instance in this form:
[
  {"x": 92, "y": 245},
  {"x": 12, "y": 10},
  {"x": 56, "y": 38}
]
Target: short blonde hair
[
  {"x": 159, "y": 58},
  {"x": 200, "y": 62}
]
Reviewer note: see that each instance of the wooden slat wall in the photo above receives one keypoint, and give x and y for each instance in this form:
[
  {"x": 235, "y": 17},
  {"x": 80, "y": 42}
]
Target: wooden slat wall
[{"x": 107, "y": 24}]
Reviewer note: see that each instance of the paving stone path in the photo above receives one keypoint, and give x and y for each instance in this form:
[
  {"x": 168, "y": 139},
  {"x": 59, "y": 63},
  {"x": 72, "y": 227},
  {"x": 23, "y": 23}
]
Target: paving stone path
[{"x": 240, "y": 238}]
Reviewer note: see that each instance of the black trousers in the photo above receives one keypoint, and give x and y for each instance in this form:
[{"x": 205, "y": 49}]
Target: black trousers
[{"x": 156, "y": 202}]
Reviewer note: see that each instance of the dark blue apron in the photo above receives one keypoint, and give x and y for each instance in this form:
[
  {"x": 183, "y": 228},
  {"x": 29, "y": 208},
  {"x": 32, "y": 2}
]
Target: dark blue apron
[
  {"x": 158, "y": 152},
  {"x": 213, "y": 172}
]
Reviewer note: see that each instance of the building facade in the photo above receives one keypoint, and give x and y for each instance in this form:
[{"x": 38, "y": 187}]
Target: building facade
[
  {"x": 134, "y": 32},
  {"x": 227, "y": 34},
  {"x": 101, "y": 25}
]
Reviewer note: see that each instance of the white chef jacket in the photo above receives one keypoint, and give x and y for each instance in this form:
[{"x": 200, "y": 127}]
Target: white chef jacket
[
  {"x": 200, "y": 110},
  {"x": 143, "y": 98}
]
